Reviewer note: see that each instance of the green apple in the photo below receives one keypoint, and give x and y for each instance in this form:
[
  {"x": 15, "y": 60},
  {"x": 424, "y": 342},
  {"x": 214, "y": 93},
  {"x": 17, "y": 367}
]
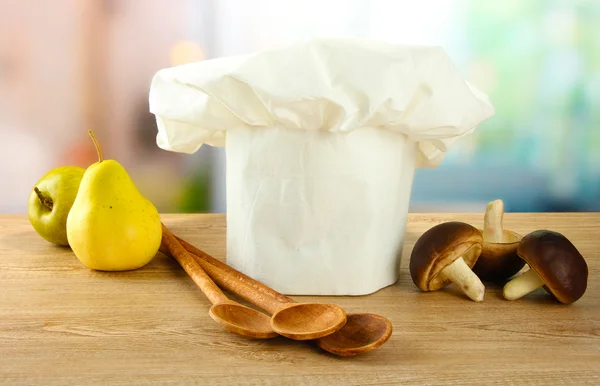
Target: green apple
[{"x": 51, "y": 200}]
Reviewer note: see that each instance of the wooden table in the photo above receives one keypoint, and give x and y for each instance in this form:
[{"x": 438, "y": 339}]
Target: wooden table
[{"x": 61, "y": 323}]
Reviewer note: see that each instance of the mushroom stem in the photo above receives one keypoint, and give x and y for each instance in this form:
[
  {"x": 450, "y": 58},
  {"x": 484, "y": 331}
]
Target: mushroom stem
[
  {"x": 492, "y": 222},
  {"x": 463, "y": 277},
  {"x": 522, "y": 285}
]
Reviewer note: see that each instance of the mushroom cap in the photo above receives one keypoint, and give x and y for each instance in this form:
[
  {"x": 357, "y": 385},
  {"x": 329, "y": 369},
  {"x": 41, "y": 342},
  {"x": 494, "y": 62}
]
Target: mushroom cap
[
  {"x": 439, "y": 247},
  {"x": 499, "y": 261},
  {"x": 557, "y": 262}
]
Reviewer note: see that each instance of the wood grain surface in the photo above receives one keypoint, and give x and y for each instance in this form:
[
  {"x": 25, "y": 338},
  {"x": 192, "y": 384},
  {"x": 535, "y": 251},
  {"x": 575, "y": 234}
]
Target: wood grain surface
[{"x": 61, "y": 323}]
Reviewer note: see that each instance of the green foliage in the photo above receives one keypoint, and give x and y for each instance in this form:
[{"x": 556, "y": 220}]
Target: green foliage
[
  {"x": 542, "y": 57},
  {"x": 196, "y": 194}
]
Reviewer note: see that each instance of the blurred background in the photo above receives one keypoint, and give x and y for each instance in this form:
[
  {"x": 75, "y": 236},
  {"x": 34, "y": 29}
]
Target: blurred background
[{"x": 67, "y": 66}]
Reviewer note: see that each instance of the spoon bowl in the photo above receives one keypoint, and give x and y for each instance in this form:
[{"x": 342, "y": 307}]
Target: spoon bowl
[
  {"x": 307, "y": 321},
  {"x": 242, "y": 320},
  {"x": 360, "y": 334}
]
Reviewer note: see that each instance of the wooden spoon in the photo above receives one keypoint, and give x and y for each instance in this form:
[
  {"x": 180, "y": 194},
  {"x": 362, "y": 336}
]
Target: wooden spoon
[
  {"x": 235, "y": 317},
  {"x": 360, "y": 334},
  {"x": 298, "y": 321}
]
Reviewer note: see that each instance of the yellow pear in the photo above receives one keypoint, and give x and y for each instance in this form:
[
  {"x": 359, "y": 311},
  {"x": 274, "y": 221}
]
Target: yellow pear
[{"x": 111, "y": 225}]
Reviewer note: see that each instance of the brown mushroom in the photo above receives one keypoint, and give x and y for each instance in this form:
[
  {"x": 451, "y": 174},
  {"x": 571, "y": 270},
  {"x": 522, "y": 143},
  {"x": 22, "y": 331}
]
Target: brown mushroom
[
  {"x": 499, "y": 260},
  {"x": 554, "y": 263},
  {"x": 446, "y": 253}
]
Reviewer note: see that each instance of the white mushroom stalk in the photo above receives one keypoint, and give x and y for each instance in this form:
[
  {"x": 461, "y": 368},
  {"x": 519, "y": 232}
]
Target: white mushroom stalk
[
  {"x": 463, "y": 277},
  {"x": 522, "y": 285},
  {"x": 492, "y": 222}
]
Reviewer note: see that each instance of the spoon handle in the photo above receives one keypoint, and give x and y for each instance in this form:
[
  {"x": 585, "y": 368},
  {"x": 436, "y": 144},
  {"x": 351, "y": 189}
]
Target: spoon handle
[
  {"x": 193, "y": 269},
  {"x": 252, "y": 290}
]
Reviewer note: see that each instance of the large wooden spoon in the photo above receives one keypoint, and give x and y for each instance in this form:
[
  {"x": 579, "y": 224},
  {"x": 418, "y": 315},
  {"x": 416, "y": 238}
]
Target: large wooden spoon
[
  {"x": 362, "y": 332},
  {"x": 235, "y": 317}
]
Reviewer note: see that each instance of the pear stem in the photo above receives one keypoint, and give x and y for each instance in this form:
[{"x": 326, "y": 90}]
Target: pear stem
[
  {"x": 98, "y": 150},
  {"x": 46, "y": 201}
]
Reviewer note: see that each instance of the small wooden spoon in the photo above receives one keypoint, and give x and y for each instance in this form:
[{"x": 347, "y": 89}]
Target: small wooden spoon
[
  {"x": 360, "y": 334},
  {"x": 235, "y": 317}
]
